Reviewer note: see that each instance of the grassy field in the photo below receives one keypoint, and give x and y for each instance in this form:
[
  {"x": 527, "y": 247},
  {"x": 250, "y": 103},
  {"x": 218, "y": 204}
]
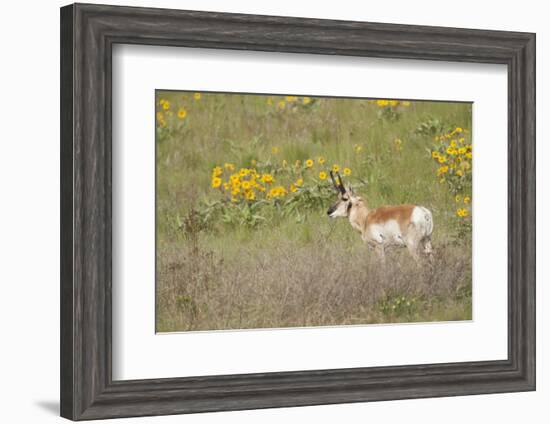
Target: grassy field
[{"x": 268, "y": 256}]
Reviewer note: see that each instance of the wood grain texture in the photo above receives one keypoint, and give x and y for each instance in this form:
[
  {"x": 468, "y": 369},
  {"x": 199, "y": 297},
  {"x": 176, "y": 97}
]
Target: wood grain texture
[
  {"x": 66, "y": 212},
  {"x": 88, "y": 33}
]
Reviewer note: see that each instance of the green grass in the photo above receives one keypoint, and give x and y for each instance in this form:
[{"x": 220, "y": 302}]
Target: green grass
[{"x": 301, "y": 269}]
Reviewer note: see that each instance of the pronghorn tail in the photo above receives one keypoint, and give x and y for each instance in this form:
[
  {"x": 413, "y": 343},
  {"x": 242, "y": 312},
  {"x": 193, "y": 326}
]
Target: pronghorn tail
[{"x": 426, "y": 226}]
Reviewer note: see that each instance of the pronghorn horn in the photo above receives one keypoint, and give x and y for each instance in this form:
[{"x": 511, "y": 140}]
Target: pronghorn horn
[
  {"x": 342, "y": 188},
  {"x": 333, "y": 180}
]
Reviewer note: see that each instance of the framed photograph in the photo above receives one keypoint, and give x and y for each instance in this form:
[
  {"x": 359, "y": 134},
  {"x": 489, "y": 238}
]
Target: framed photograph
[{"x": 262, "y": 212}]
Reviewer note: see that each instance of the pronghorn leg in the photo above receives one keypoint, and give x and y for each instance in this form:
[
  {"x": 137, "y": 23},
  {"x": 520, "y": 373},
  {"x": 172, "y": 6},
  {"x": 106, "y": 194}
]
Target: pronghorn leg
[
  {"x": 413, "y": 250},
  {"x": 412, "y": 247},
  {"x": 381, "y": 252},
  {"x": 428, "y": 251}
]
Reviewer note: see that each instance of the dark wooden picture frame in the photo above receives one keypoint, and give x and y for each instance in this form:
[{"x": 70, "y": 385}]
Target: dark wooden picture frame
[{"x": 88, "y": 33}]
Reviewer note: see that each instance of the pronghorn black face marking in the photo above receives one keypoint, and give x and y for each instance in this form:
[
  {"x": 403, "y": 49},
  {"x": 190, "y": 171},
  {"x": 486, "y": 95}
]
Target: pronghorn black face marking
[
  {"x": 345, "y": 200},
  {"x": 342, "y": 206}
]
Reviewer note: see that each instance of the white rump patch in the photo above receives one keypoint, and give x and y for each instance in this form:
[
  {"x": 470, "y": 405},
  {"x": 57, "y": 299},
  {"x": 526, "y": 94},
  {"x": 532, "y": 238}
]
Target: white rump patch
[{"x": 422, "y": 220}]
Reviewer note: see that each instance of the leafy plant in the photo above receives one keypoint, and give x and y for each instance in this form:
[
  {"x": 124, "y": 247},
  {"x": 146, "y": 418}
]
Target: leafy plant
[
  {"x": 248, "y": 194},
  {"x": 432, "y": 126},
  {"x": 452, "y": 153},
  {"x": 389, "y": 109}
]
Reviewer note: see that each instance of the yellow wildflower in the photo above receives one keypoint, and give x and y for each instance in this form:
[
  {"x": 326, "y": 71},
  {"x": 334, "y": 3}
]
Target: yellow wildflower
[
  {"x": 216, "y": 182},
  {"x": 435, "y": 154},
  {"x": 281, "y": 104},
  {"x": 442, "y": 170},
  {"x": 335, "y": 168},
  {"x": 293, "y": 188},
  {"x": 382, "y": 103},
  {"x": 397, "y": 142},
  {"x": 457, "y": 198},
  {"x": 347, "y": 171},
  {"x": 467, "y": 199},
  {"x": 299, "y": 182},
  {"x": 229, "y": 166},
  {"x": 459, "y": 173},
  {"x": 182, "y": 113},
  {"x": 166, "y": 105},
  {"x": 197, "y": 96},
  {"x": 309, "y": 163},
  {"x": 246, "y": 185},
  {"x": 306, "y": 100},
  {"x": 267, "y": 178},
  {"x": 278, "y": 191},
  {"x": 320, "y": 160},
  {"x": 250, "y": 195},
  {"x": 243, "y": 172},
  {"x": 462, "y": 150},
  {"x": 442, "y": 159},
  {"x": 462, "y": 212},
  {"x": 458, "y": 129},
  {"x": 322, "y": 175},
  {"x": 393, "y": 103},
  {"x": 217, "y": 171},
  {"x": 291, "y": 98},
  {"x": 405, "y": 103}
]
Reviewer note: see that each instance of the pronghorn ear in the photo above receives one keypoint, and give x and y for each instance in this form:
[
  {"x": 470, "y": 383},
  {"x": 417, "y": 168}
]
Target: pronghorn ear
[{"x": 350, "y": 190}]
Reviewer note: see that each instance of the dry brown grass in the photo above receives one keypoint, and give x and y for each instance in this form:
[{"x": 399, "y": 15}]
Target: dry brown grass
[{"x": 289, "y": 286}]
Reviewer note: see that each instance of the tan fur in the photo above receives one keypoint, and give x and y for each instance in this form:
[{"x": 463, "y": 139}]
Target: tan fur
[
  {"x": 401, "y": 213},
  {"x": 358, "y": 216}
]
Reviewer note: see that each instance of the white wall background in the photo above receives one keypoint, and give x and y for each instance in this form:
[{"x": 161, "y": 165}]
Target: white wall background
[{"x": 29, "y": 212}]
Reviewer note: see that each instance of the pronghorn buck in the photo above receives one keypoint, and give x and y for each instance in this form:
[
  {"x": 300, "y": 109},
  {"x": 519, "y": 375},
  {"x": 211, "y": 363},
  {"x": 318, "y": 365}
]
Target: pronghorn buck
[{"x": 408, "y": 226}]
